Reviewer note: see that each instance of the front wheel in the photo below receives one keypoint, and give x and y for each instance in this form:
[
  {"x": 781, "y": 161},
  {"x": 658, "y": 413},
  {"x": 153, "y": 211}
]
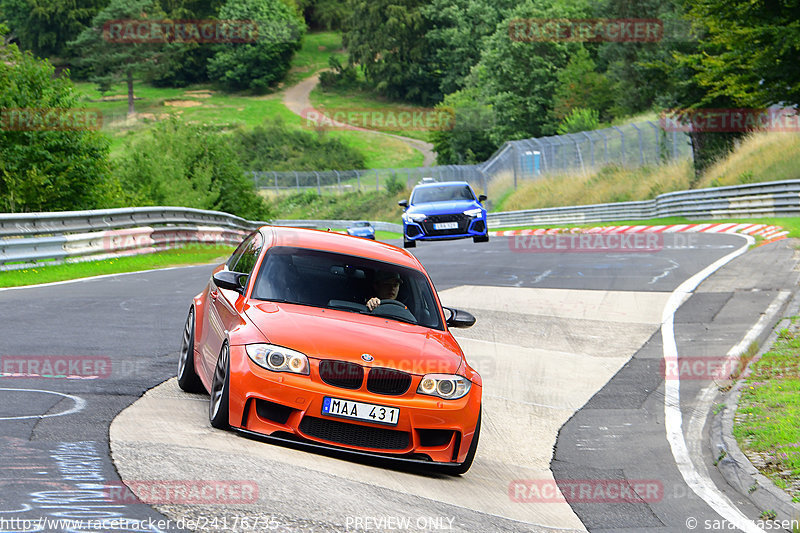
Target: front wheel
[
  {"x": 220, "y": 390},
  {"x": 473, "y": 447},
  {"x": 188, "y": 379},
  {"x": 481, "y": 238},
  {"x": 409, "y": 244}
]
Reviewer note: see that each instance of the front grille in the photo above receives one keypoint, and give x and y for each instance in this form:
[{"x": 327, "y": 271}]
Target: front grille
[
  {"x": 354, "y": 435},
  {"x": 388, "y": 381},
  {"x": 462, "y": 219},
  {"x": 341, "y": 374}
]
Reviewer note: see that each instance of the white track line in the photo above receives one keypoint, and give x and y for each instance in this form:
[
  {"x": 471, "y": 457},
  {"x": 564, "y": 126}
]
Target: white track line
[{"x": 673, "y": 418}]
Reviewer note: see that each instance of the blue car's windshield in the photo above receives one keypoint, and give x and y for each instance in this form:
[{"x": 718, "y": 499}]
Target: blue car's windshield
[{"x": 442, "y": 193}]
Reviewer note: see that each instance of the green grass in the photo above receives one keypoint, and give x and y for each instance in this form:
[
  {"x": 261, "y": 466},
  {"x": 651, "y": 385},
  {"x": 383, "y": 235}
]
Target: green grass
[
  {"x": 339, "y": 99},
  {"x": 767, "y": 425},
  {"x": 189, "y": 255},
  {"x": 313, "y": 56}
]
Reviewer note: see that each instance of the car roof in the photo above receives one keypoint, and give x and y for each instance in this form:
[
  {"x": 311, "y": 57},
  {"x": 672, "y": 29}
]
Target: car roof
[
  {"x": 441, "y": 183},
  {"x": 330, "y": 241}
]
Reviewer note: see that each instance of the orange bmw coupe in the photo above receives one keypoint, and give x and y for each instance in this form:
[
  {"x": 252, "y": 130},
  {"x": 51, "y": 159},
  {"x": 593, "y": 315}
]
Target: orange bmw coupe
[{"x": 334, "y": 341}]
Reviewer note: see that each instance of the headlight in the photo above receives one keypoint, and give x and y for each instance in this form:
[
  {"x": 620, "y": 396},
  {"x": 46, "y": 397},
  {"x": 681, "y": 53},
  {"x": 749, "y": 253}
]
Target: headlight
[
  {"x": 278, "y": 358},
  {"x": 447, "y": 386},
  {"x": 415, "y": 217},
  {"x": 476, "y": 213}
]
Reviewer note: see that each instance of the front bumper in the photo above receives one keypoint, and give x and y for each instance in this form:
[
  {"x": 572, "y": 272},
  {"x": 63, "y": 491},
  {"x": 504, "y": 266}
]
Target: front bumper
[
  {"x": 288, "y": 407},
  {"x": 423, "y": 231}
]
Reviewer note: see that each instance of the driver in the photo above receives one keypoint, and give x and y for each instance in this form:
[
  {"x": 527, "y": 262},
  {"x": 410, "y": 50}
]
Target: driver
[{"x": 386, "y": 286}]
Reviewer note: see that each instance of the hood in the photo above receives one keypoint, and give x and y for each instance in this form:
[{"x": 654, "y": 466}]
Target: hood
[
  {"x": 344, "y": 336},
  {"x": 443, "y": 208}
]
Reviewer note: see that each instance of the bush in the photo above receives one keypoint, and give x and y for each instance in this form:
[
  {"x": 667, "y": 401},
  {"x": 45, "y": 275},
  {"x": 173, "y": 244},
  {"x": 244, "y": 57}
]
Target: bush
[
  {"x": 578, "y": 120},
  {"x": 265, "y": 62},
  {"x": 191, "y": 166},
  {"x": 274, "y": 146}
]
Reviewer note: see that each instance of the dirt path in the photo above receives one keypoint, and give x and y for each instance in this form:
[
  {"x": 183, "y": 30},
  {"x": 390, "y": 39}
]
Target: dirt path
[{"x": 297, "y": 99}]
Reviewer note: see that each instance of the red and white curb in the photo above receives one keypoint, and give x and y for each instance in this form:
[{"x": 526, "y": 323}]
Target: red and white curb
[{"x": 767, "y": 232}]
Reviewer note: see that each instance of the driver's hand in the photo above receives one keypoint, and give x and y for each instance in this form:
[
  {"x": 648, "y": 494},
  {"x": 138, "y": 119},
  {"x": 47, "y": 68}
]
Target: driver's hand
[{"x": 372, "y": 303}]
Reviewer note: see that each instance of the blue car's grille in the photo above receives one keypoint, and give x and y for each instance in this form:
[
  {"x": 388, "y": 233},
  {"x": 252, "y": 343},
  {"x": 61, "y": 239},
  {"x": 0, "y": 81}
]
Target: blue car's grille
[{"x": 460, "y": 218}]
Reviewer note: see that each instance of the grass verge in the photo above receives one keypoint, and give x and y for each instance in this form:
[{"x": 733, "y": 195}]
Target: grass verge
[
  {"x": 189, "y": 255},
  {"x": 767, "y": 421}
]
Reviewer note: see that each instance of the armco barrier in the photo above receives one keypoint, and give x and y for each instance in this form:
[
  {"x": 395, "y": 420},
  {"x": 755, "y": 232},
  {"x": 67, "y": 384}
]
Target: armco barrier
[
  {"x": 28, "y": 239},
  {"x": 69, "y": 236}
]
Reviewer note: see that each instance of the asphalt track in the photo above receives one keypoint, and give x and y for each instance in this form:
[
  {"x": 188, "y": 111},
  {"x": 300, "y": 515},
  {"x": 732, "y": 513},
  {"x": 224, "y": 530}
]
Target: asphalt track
[{"x": 553, "y": 331}]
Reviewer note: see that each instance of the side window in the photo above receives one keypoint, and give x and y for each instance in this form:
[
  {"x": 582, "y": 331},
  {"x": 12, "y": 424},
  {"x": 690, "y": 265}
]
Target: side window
[
  {"x": 247, "y": 260},
  {"x": 237, "y": 253}
]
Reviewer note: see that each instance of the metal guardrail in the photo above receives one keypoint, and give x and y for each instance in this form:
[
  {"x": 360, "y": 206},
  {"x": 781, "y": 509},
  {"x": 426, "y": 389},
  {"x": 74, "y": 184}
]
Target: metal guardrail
[
  {"x": 28, "y": 239},
  {"x": 73, "y": 235},
  {"x": 768, "y": 199}
]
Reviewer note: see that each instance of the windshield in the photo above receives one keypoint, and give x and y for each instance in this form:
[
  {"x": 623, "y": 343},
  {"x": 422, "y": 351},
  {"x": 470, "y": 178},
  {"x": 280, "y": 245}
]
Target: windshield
[
  {"x": 348, "y": 283},
  {"x": 442, "y": 193},
  {"x": 361, "y": 225}
]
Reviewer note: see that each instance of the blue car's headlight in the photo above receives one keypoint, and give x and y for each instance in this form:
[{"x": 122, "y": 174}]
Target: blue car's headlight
[
  {"x": 415, "y": 217},
  {"x": 475, "y": 213}
]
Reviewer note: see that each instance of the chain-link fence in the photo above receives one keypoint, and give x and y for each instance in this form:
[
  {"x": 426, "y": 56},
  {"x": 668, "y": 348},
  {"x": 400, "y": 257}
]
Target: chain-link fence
[{"x": 631, "y": 145}]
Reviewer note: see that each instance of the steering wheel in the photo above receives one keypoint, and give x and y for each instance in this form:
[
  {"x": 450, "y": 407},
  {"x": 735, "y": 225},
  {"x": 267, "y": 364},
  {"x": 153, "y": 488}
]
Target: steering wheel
[{"x": 392, "y": 302}]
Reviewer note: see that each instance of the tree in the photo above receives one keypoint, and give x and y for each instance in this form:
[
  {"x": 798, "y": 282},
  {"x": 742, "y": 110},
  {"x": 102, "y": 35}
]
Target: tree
[
  {"x": 581, "y": 86},
  {"x": 457, "y": 34},
  {"x": 111, "y": 58},
  {"x": 46, "y": 26},
  {"x": 387, "y": 38},
  {"x": 755, "y": 49},
  {"x": 263, "y": 63},
  {"x": 45, "y": 168},
  {"x": 518, "y": 78},
  {"x": 467, "y": 140},
  {"x": 188, "y": 165}
]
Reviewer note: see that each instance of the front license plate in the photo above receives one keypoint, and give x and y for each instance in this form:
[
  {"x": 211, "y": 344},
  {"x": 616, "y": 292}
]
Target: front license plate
[
  {"x": 360, "y": 411},
  {"x": 445, "y": 225}
]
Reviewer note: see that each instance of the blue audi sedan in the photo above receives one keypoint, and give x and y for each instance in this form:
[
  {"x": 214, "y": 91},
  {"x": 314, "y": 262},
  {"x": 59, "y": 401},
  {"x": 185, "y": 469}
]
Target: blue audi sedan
[{"x": 443, "y": 210}]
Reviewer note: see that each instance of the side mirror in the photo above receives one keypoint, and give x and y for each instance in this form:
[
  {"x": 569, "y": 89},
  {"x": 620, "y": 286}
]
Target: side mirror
[
  {"x": 403, "y": 203},
  {"x": 232, "y": 281},
  {"x": 459, "y": 318},
  {"x": 482, "y": 198}
]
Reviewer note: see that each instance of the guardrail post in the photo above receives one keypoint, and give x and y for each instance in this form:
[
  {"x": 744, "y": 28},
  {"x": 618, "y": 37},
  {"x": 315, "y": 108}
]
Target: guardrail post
[
  {"x": 377, "y": 181},
  {"x": 297, "y": 180},
  {"x": 338, "y": 182},
  {"x": 319, "y": 188}
]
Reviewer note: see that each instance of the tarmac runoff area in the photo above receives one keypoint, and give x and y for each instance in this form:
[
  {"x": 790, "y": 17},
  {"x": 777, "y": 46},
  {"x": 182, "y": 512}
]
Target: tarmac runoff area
[{"x": 543, "y": 353}]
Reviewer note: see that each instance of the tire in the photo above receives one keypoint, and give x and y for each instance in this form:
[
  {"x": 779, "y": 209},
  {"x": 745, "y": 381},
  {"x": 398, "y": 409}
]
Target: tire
[
  {"x": 188, "y": 379},
  {"x": 220, "y": 390},
  {"x": 473, "y": 447},
  {"x": 481, "y": 238},
  {"x": 409, "y": 244}
]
